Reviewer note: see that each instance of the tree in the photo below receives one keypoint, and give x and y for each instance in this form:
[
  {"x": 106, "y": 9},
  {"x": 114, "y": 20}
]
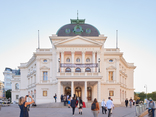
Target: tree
[{"x": 8, "y": 94}]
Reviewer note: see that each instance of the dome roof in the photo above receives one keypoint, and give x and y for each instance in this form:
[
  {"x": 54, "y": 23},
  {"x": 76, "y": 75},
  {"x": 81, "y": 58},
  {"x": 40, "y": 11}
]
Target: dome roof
[{"x": 78, "y": 27}]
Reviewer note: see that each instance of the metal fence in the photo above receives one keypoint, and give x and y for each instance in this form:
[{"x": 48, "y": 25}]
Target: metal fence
[{"x": 139, "y": 109}]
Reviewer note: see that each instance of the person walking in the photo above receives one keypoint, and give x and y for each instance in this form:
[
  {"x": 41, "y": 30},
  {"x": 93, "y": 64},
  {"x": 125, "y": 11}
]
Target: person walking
[
  {"x": 126, "y": 102},
  {"x": 65, "y": 100},
  {"x": 55, "y": 97},
  {"x": 109, "y": 106},
  {"x": 112, "y": 106},
  {"x": 69, "y": 100},
  {"x": 103, "y": 105},
  {"x": 95, "y": 108},
  {"x": 133, "y": 102},
  {"x": 73, "y": 105},
  {"x": 130, "y": 102},
  {"x": 80, "y": 105},
  {"x": 23, "y": 106}
]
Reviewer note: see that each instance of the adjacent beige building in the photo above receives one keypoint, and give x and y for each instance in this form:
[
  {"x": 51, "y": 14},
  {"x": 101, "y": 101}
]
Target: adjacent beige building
[{"x": 78, "y": 63}]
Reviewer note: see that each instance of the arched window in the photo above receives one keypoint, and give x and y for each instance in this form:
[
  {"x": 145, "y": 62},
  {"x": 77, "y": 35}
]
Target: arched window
[
  {"x": 87, "y": 69},
  {"x": 78, "y": 60},
  {"x": 87, "y": 60},
  {"x": 68, "y": 60},
  {"x": 78, "y": 70},
  {"x": 16, "y": 86},
  {"x": 111, "y": 60},
  {"x": 68, "y": 69}
]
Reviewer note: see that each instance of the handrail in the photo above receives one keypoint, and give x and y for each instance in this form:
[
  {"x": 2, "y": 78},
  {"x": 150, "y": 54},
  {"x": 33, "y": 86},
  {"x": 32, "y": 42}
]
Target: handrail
[{"x": 139, "y": 109}]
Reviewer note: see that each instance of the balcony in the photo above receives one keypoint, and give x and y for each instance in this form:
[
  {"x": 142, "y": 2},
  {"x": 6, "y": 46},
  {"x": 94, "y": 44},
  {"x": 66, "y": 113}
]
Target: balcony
[{"x": 78, "y": 74}]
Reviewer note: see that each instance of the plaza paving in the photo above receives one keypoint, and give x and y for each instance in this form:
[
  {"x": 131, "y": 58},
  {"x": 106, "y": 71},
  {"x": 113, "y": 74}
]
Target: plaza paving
[{"x": 13, "y": 111}]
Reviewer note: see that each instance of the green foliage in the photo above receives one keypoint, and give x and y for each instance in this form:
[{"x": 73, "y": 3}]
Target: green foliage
[
  {"x": 8, "y": 94},
  {"x": 142, "y": 95}
]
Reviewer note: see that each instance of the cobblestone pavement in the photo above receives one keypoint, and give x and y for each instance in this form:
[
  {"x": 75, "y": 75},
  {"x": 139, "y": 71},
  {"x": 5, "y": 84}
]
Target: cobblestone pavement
[{"x": 13, "y": 111}]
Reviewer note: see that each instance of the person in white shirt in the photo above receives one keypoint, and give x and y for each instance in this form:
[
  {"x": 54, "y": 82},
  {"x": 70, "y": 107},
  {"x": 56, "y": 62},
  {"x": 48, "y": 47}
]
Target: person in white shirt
[
  {"x": 103, "y": 105},
  {"x": 109, "y": 106}
]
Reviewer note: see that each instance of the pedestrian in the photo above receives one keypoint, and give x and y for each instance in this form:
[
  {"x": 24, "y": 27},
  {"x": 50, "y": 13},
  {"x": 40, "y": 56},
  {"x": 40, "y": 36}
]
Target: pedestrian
[
  {"x": 109, "y": 106},
  {"x": 23, "y": 106},
  {"x": 130, "y": 102},
  {"x": 55, "y": 97},
  {"x": 126, "y": 102},
  {"x": 103, "y": 105},
  {"x": 133, "y": 102},
  {"x": 80, "y": 104},
  {"x": 95, "y": 108},
  {"x": 69, "y": 100},
  {"x": 73, "y": 105},
  {"x": 65, "y": 100},
  {"x": 112, "y": 106}
]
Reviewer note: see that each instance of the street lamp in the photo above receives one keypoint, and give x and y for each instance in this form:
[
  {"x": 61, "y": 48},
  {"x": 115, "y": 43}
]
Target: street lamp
[
  {"x": 99, "y": 64},
  {"x": 146, "y": 90},
  {"x": 59, "y": 64}
]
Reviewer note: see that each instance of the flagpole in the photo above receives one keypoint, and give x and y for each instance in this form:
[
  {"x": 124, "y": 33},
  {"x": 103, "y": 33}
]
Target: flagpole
[
  {"x": 38, "y": 40},
  {"x": 116, "y": 39}
]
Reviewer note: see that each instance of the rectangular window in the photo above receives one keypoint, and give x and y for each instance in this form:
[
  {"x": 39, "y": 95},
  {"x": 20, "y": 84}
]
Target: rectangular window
[
  {"x": 45, "y": 75},
  {"x": 17, "y": 96},
  {"x": 111, "y": 93},
  {"x": 110, "y": 75},
  {"x": 44, "y": 93}
]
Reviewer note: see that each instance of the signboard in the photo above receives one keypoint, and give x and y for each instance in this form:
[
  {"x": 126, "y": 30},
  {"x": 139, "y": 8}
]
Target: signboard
[{"x": 90, "y": 65}]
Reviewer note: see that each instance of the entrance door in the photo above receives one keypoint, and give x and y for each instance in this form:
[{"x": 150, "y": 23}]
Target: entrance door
[
  {"x": 89, "y": 93},
  {"x": 78, "y": 91},
  {"x": 67, "y": 91}
]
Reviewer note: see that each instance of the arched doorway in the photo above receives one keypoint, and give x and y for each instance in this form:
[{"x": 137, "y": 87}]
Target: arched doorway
[
  {"x": 89, "y": 93},
  {"x": 78, "y": 91},
  {"x": 67, "y": 91}
]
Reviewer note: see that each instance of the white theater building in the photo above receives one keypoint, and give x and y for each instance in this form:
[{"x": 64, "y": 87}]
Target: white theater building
[{"x": 78, "y": 63}]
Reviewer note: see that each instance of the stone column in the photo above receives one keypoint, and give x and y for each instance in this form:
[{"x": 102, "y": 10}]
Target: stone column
[
  {"x": 117, "y": 70},
  {"x": 98, "y": 57},
  {"x": 72, "y": 88},
  {"x": 83, "y": 60},
  {"x": 93, "y": 60},
  {"x": 57, "y": 61},
  {"x": 58, "y": 91},
  {"x": 85, "y": 99},
  {"x": 99, "y": 91},
  {"x": 72, "y": 53},
  {"x": 62, "y": 60}
]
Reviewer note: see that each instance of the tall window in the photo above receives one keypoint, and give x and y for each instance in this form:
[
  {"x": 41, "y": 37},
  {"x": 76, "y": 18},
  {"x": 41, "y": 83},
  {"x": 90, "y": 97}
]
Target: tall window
[
  {"x": 44, "y": 93},
  {"x": 45, "y": 75},
  {"x": 16, "y": 86},
  {"x": 17, "y": 96},
  {"x": 111, "y": 76},
  {"x": 111, "y": 93}
]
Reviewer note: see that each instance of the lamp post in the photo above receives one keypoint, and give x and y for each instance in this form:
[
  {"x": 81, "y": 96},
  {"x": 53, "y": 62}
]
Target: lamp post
[
  {"x": 146, "y": 90},
  {"x": 59, "y": 64},
  {"x": 99, "y": 64}
]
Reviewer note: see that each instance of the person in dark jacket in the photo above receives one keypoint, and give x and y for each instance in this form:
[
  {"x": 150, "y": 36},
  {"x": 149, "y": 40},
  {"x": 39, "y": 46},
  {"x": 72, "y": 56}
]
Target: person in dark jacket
[
  {"x": 126, "y": 102},
  {"x": 73, "y": 105},
  {"x": 23, "y": 106}
]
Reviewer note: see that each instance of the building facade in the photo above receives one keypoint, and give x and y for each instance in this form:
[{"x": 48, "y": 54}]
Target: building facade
[
  {"x": 78, "y": 63},
  {"x": 2, "y": 91},
  {"x": 8, "y": 75}
]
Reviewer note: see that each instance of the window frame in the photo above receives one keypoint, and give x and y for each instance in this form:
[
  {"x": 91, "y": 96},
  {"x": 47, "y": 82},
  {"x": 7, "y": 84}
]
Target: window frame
[{"x": 45, "y": 79}]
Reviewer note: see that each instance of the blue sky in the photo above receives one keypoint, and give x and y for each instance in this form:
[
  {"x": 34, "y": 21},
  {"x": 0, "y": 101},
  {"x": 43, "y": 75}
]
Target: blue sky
[{"x": 135, "y": 20}]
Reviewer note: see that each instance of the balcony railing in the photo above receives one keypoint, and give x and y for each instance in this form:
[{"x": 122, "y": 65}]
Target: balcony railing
[{"x": 78, "y": 74}]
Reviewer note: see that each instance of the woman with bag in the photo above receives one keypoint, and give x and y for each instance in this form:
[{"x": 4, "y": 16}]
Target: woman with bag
[
  {"x": 95, "y": 108},
  {"x": 80, "y": 105},
  {"x": 23, "y": 106}
]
